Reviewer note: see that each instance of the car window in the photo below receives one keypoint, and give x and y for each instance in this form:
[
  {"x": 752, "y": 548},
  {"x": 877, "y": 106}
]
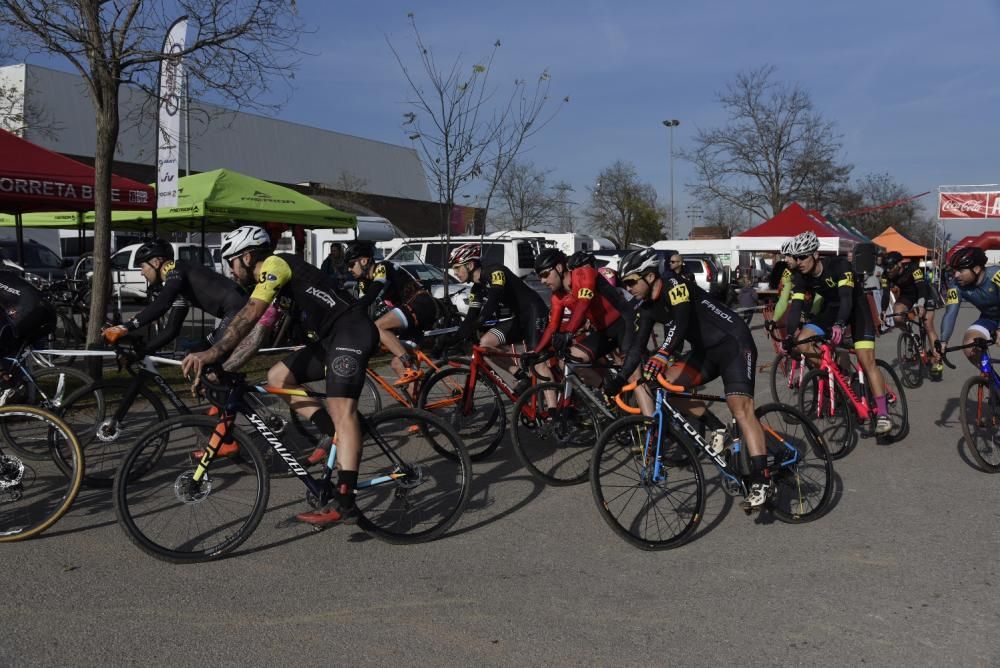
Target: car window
[
  {"x": 192, "y": 253},
  {"x": 525, "y": 255},
  {"x": 407, "y": 253},
  {"x": 693, "y": 267},
  {"x": 40, "y": 256},
  {"x": 119, "y": 261}
]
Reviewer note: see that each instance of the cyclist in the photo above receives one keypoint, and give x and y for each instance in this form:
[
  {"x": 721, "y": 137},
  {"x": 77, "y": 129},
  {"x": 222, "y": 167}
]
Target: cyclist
[
  {"x": 587, "y": 296},
  {"x": 844, "y": 302},
  {"x": 181, "y": 283},
  {"x": 721, "y": 345},
  {"x": 412, "y": 308},
  {"x": 345, "y": 339},
  {"x": 914, "y": 292},
  {"x": 24, "y": 315},
  {"x": 980, "y": 286},
  {"x": 494, "y": 286}
]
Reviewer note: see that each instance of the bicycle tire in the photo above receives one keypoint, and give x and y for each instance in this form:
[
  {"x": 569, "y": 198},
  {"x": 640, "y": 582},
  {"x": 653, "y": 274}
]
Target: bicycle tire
[
  {"x": 431, "y": 483},
  {"x": 24, "y": 481},
  {"x": 803, "y": 489},
  {"x": 783, "y": 389},
  {"x": 837, "y": 427},
  {"x": 67, "y": 336},
  {"x": 106, "y": 444},
  {"x": 908, "y": 360},
  {"x": 981, "y": 422},
  {"x": 483, "y": 428},
  {"x": 555, "y": 446},
  {"x": 154, "y": 492},
  {"x": 625, "y": 498},
  {"x": 896, "y": 402}
]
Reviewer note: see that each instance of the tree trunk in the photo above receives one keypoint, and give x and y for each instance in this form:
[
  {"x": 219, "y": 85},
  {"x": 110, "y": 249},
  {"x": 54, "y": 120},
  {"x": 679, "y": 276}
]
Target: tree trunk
[{"x": 107, "y": 137}]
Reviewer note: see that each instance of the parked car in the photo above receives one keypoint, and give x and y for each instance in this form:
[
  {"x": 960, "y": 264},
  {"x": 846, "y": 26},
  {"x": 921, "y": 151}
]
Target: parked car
[
  {"x": 39, "y": 260},
  {"x": 125, "y": 272},
  {"x": 709, "y": 275},
  {"x": 516, "y": 254}
]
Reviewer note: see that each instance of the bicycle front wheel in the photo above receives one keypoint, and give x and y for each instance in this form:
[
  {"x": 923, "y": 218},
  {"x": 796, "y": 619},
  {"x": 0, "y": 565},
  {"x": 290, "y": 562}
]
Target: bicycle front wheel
[
  {"x": 554, "y": 444},
  {"x": 801, "y": 469},
  {"x": 36, "y": 491},
  {"x": 895, "y": 397},
  {"x": 650, "y": 511},
  {"x": 479, "y": 420},
  {"x": 830, "y": 411},
  {"x": 908, "y": 357},
  {"x": 170, "y": 516},
  {"x": 786, "y": 373},
  {"x": 415, "y": 476},
  {"x": 980, "y": 411}
]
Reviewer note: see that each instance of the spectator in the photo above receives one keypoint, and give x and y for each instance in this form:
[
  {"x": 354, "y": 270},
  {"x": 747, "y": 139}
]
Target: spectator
[
  {"x": 334, "y": 264},
  {"x": 677, "y": 266},
  {"x": 747, "y": 299}
]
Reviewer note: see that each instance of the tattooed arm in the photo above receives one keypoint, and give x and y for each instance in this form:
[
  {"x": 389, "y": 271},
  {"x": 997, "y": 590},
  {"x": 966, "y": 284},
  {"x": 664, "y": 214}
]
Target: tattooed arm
[
  {"x": 246, "y": 348},
  {"x": 241, "y": 325}
]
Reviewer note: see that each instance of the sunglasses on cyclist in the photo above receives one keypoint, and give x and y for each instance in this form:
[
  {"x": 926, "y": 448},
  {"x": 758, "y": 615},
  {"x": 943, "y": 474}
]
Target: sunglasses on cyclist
[
  {"x": 629, "y": 282},
  {"x": 544, "y": 273},
  {"x": 799, "y": 258}
]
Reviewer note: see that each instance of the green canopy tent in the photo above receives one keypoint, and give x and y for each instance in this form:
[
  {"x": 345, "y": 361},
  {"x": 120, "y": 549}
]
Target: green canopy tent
[{"x": 211, "y": 202}]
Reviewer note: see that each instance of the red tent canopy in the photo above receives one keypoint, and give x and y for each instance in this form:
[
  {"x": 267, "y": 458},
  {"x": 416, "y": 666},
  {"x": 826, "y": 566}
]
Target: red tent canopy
[
  {"x": 795, "y": 220},
  {"x": 986, "y": 241},
  {"x": 36, "y": 179}
]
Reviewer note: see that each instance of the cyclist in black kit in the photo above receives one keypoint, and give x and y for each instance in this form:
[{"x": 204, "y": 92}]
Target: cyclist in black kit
[
  {"x": 914, "y": 291},
  {"x": 721, "y": 345},
  {"x": 345, "y": 339},
  {"x": 182, "y": 284},
  {"x": 412, "y": 308},
  {"x": 24, "y": 315}
]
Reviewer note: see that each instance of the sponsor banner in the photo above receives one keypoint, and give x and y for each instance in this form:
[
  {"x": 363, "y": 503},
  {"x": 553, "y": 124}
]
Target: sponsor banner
[
  {"x": 980, "y": 206},
  {"x": 169, "y": 130}
]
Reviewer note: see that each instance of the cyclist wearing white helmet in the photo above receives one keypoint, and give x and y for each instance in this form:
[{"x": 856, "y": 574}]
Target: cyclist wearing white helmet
[
  {"x": 345, "y": 339},
  {"x": 844, "y": 303},
  {"x": 721, "y": 346},
  {"x": 784, "y": 286}
]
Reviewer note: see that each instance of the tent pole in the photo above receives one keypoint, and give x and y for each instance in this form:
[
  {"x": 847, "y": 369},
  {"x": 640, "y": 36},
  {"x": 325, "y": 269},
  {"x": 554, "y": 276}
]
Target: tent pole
[
  {"x": 202, "y": 260},
  {"x": 19, "y": 234}
]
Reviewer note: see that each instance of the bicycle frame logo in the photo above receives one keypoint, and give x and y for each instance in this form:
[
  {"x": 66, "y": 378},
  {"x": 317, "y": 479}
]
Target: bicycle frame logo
[
  {"x": 289, "y": 459},
  {"x": 693, "y": 433}
]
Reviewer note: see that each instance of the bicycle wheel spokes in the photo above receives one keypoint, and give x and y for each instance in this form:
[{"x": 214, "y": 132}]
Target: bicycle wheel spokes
[
  {"x": 801, "y": 468},
  {"x": 908, "y": 356},
  {"x": 169, "y": 515},
  {"x": 650, "y": 514},
  {"x": 980, "y": 411},
  {"x": 785, "y": 378},
  {"x": 414, "y": 477},
  {"x": 37, "y": 487},
  {"x": 829, "y": 410},
  {"x": 480, "y": 420},
  {"x": 555, "y": 445}
]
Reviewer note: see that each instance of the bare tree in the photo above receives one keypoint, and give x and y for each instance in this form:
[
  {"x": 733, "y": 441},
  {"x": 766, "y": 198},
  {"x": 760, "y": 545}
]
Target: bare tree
[
  {"x": 464, "y": 135},
  {"x": 565, "y": 218},
  {"x": 731, "y": 220},
  {"x": 240, "y": 46},
  {"x": 352, "y": 187},
  {"x": 623, "y": 208},
  {"x": 775, "y": 149},
  {"x": 20, "y": 113},
  {"x": 880, "y": 202},
  {"x": 524, "y": 197}
]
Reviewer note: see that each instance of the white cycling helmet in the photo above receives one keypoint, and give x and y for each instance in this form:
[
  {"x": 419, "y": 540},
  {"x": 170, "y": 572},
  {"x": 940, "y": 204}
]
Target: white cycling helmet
[
  {"x": 638, "y": 263},
  {"x": 806, "y": 243},
  {"x": 248, "y": 237},
  {"x": 786, "y": 248}
]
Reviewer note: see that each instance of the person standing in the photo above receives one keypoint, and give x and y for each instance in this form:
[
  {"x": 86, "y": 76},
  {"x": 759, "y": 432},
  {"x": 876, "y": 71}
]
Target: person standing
[{"x": 334, "y": 264}]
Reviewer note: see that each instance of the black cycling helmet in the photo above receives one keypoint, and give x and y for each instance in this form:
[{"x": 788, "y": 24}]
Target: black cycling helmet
[
  {"x": 548, "y": 258},
  {"x": 154, "y": 248},
  {"x": 967, "y": 258},
  {"x": 580, "y": 259},
  {"x": 359, "y": 249},
  {"x": 891, "y": 259}
]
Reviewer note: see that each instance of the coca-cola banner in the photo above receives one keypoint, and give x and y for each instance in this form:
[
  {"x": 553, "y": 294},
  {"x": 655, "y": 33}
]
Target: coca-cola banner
[{"x": 969, "y": 205}]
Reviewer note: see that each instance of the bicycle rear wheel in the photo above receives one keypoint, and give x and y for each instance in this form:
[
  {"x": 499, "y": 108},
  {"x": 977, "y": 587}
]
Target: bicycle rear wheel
[
  {"x": 786, "y": 372},
  {"x": 652, "y": 515},
  {"x": 409, "y": 490},
  {"x": 980, "y": 411},
  {"x": 895, "y": 395},
  {"x": 555, "y": 445},
  {"x": 36, "y": 491},
  {"x": 801, "y": 469},
  {"x": 168, "y": 515},
  {"x": 834, "y": 418},
  {"x": 911, "y": 367},
  {"x": 480, "y": 422}
]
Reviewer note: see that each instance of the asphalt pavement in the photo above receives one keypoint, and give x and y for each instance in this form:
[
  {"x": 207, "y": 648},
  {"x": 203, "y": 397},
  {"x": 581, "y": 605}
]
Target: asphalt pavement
[{"x": 903, "y": 570}]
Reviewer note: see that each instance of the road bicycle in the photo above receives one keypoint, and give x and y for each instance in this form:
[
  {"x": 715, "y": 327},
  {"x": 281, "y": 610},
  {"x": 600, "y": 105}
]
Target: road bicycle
[
  {"x": 179, "y": 508},
  {"x": 40, "y": 477},
  {"x": 834, "y": 398},
  {"x": 912, "y": 354},
  {"x": 648, "y": 482},
  {"x": 979, "y": 407},
  {"x": 109, "y": 427}
]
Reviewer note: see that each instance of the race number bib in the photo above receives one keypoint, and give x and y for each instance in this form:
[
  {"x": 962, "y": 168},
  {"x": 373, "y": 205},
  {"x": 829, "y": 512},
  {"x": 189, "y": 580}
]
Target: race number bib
[
  {"x": 584, "y": 293},
  {"x": 678, "y": 294},
  {"x": 497, "y": 278},
  {"x": 379, "y": 273}
]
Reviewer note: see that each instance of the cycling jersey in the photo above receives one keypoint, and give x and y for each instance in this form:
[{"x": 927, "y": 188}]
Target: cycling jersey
[
  {"x": 785, "y": 296},
  {"x": 287, "y": 278},
  {"x": 24, "y": 312},
  {"x": 392, "y": 284},
  {"x": 499, "y": 287},
  {"x": 844, "y": 300},
  {"x": 182, "y": 284},
  {"x": 911, "y": 284},
  {"x": 985, "y": 296},
  {"x": 584, "y": 301}
]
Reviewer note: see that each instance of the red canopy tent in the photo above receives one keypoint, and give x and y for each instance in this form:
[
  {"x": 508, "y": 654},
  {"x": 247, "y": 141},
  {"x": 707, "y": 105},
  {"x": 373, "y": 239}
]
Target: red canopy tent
[
  {"x": 33, "y": 178},
  {"x": 793, "y": 220},
  {"x": 986, "y": 241}
]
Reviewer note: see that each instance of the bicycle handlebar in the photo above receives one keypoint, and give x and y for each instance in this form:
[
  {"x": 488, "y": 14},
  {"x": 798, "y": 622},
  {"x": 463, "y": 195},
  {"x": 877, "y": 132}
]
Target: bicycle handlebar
[
  {"x": 633, "y": 410},
  {"x": 979, "y": 344}
]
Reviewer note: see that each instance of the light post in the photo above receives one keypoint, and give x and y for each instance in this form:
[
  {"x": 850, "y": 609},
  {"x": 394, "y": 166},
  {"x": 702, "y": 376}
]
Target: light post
[{"x": 673, "y": 123}]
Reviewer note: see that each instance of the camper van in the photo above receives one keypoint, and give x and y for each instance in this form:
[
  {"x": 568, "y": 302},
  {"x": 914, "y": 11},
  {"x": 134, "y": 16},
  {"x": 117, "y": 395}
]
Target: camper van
[{"x": 370, "y": 228}]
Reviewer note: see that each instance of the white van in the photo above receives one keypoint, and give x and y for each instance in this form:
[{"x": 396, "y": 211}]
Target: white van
[
  {"x": 517, "y": 254},
  {"x": 125, "y": 272}
]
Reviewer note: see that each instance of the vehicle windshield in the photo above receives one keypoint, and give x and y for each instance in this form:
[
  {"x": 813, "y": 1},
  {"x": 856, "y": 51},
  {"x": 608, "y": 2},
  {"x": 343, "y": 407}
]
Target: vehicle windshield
[
  {"x": 424, "y": 272},
  {"x": 34, "y": 256}
]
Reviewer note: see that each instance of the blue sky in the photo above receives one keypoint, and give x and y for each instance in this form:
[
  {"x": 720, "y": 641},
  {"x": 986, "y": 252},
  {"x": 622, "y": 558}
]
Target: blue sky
[{"x": 912, "y": 86}]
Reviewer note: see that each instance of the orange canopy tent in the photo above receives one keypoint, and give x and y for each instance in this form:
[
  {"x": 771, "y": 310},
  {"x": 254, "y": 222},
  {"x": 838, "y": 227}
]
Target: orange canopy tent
[{"x": 891, "y": 240}]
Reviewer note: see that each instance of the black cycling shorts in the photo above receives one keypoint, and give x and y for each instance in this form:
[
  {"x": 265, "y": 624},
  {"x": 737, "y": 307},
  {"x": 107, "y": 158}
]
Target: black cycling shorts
[
  {"x": 526, "y": 326},
  {"x": 418, "y": 316},
  {"x": 735, "y": 359},
  {"x": 342, "y": 356},
  {"x": 25, "y": 325},
  {"x": 862, "y": 327},
  {"x": 598, "y": 344}
]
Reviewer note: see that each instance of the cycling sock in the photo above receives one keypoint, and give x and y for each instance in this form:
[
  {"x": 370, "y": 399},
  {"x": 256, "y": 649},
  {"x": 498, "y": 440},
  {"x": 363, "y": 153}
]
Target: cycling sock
[
  {"x": 323, "y": 422},
  {"x": 347, "y": 481},
  {"x": 757, "y": 465},
  {"x": 881, "y": 406}
]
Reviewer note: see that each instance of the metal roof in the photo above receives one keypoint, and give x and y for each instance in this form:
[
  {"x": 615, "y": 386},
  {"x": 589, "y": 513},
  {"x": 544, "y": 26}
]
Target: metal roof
[{"x": 267, "y": 148}]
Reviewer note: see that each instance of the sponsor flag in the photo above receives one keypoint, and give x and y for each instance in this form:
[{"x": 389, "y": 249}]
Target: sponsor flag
[
  {"x": 168, "y": 135},
  {"x": 968, "y": 205}
]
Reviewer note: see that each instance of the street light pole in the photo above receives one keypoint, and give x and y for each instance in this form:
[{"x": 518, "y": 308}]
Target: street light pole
[{"x": 672, "y": 123}]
